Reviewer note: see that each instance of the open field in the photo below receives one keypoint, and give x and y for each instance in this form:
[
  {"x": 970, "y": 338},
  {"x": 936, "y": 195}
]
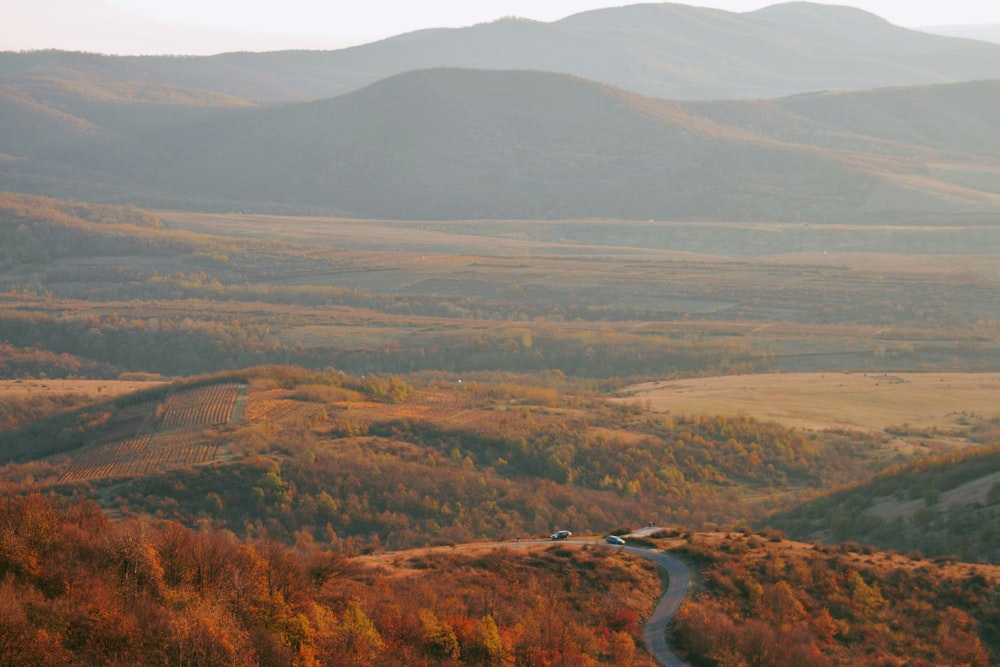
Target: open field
[
  {"x": 95, "y": 388},
  {"x": 816, "y": 401}
]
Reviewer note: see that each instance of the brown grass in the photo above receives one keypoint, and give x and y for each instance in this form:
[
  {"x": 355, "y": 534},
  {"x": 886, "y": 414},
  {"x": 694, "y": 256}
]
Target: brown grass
[
  {"x": 818, "y": 401},
  {"x": 94, "y": 388}
]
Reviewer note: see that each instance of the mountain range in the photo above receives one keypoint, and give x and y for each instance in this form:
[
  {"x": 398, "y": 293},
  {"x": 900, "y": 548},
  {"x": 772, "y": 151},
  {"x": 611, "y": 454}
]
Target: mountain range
[
  {"x": 563, "y": 136},
  {"x": 660, "y": 50}
]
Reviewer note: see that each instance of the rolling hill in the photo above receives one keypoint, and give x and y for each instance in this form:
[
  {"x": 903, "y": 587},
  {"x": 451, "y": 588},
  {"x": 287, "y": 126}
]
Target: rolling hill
[
  {"x": 939, "y": 506},
  {"x": 526, "y": 120},
  {"x": 662, "y": 50},
  {"x": 322, "y": 461},
  {"x": 379, "y": 459},
  {"x": 454, "y": 144}
]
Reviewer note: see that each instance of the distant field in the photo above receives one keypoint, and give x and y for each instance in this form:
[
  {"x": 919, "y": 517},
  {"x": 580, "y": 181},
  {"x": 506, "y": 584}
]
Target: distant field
[
  {"x": 821, "y": 244},
  {"x": 867, "y": 401},
  {"x": 103, "y": 388}
]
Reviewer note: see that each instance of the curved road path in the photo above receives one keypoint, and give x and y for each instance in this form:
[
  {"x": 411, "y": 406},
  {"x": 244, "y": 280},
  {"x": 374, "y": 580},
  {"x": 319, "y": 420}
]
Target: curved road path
[{"x": 655, "y": 630}]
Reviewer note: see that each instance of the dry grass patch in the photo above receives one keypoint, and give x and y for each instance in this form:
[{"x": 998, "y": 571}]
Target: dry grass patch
[
  {"x": 818, "y": 401},
  {"x": 95, "y": 388}
]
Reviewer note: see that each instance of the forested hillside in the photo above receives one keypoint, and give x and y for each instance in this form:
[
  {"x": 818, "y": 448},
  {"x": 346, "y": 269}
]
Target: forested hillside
[
  {"x": 772, "y": 602},
  {"x": 77, "y": 588},
  {"x": 362, "y": 462},
  {"x": 472, "y": 144},
  {"x": 939, "y": 506},
  {"x": 80, "y": 588}
]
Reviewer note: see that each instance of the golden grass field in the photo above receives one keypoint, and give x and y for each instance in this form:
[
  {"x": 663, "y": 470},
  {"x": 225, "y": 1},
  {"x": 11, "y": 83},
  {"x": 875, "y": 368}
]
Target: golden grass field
[
  {"x": 94, "y": 388},
  {"x": 817, "y": 401}
]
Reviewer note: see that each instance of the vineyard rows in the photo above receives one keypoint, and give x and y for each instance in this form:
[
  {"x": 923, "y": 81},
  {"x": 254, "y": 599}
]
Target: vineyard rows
[
  {"x": 140, "y": 456},
  {"x": 204, "y": 406},
  {"x": 177, "y": 440}
]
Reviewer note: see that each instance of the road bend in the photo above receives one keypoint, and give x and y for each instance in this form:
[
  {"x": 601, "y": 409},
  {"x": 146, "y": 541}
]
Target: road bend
[
  {"x": 655, "y": 630},
  {"x": 679, "y": 580}
]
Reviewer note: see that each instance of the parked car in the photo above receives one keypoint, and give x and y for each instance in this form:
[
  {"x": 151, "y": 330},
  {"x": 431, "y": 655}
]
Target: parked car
[
  {"x": 614, "y": 539},
  {"x": 561, "y": 535}
]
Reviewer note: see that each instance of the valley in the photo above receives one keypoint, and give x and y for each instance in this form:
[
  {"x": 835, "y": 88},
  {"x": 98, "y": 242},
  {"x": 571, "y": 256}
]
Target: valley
[
  {"x": 410, "y": 383},
  {"x": 305, "y": 355}
]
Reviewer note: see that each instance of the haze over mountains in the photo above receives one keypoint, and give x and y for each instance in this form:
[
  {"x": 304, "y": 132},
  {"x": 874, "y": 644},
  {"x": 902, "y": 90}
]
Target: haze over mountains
[
  {"x": 661, "y": 50},
  {"x": 987, "y": 33},
  {"x": 545, "y": 126}
]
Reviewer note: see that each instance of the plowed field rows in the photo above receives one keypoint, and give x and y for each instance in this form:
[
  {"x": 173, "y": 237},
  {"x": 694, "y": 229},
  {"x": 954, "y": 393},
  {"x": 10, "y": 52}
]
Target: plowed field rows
[
  {"x": 203, "y": 406},
  {"x": 92, "y": 461}
]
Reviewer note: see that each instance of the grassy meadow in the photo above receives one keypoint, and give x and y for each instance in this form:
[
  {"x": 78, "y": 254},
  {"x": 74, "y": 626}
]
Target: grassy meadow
[
  {"x": 94, "y": 389},
  {"x": 933, "y": 403}
]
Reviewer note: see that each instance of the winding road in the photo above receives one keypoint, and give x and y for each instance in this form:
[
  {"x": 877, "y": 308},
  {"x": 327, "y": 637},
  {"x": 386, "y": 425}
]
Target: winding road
[{"x": 655, "y": 630}]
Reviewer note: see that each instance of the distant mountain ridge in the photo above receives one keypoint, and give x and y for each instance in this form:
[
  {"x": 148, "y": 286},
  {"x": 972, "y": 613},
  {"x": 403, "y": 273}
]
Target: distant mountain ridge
[
  {"x": 455, "y": 143},
  {"x": 522, "y": 119},
  {"x": 661, "y": 50}
]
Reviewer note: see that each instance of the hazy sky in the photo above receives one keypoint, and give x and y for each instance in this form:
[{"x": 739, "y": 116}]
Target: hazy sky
[{"x": 214, "y": 26}]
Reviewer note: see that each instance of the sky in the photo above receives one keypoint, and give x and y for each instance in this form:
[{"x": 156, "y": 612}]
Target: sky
[{"x": 202, "y": 27}]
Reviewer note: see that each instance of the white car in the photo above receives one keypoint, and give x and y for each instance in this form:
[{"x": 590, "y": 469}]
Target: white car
[
  {"x": 615, "y": 540},
  {"x": 561, "y": 535}
]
